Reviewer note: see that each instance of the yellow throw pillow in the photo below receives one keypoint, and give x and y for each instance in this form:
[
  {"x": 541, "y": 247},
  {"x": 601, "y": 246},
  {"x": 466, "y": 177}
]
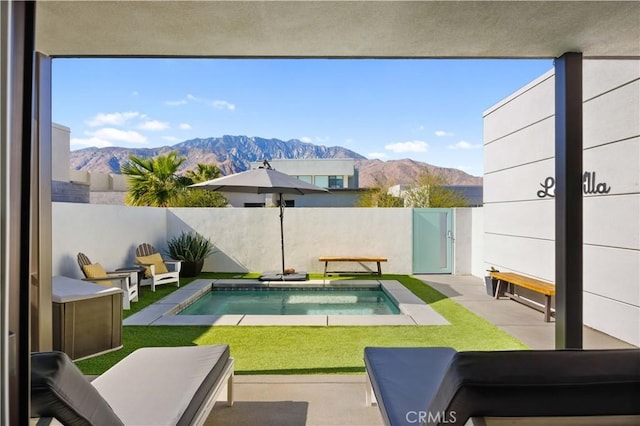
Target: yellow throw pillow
[
  {"x": 95, "y": 270},
  {"x": 154, "y": 259}
]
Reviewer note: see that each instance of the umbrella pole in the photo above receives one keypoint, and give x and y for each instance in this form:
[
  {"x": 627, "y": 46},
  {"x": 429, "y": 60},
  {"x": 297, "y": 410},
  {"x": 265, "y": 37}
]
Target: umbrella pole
[{"x": 282, "y": 232}]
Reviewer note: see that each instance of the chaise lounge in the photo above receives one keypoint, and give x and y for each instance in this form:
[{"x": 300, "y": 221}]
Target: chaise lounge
[
  {"x": 151, "y": 386},
  {"x": 437, "y": 386}
]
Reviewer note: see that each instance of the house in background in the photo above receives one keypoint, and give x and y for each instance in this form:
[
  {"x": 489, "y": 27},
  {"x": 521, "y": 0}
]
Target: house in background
[
  {"x": 338, "y": 175},
  {"x": 472, "y": 193},
  {"x": 329, "y": 173},
  {"x": 78, "y": 186}
]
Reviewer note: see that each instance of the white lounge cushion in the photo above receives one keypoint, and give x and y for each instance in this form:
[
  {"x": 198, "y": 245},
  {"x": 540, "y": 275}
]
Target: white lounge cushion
[{"x": 162, "y": 386}]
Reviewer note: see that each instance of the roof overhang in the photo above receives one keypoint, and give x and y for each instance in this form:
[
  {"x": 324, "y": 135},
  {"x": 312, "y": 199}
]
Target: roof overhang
[{"x": 386, "y": 29}]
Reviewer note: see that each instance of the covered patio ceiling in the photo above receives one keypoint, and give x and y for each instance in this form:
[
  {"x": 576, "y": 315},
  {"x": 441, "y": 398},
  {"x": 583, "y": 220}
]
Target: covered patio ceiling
[{"x": 387, "y": 29}]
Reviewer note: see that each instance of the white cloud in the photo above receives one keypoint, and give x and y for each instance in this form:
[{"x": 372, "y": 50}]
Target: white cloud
[
  {"x": 306, "y": 139},
  {"x": 421, "y": 128},
  {"x": 220, "y": 104},
  {"x": 111, "y": 135},
  {"x": 409, "y": 146},
  {"x": 112, "y": 119},
  {"x": 97, "y": 142},
  {"x": 176, "y": 103},
  {"x": 217, "y": 103},
  {"x": 135, "y": 93},
  {"x": 171, "y": 139},
  {"x": 443, "y": 133},
  {"x": 154, "y": 125},
  {"x": 184, "y": 126},
  {"x": 348, "y": 141},
  {"x": 465, "y": 145},
  {"x": 378, "y": 155}
]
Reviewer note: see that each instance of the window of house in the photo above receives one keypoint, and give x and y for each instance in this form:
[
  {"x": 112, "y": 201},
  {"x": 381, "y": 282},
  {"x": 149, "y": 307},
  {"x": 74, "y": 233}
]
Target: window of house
[
  {"x": 306, "y": 178},
  {"x": 336, "y": 182},
  {"x": 321, "y": 181}
]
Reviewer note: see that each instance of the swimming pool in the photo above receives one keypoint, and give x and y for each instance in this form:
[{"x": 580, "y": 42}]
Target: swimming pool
[{"x": 293, "y": 301}]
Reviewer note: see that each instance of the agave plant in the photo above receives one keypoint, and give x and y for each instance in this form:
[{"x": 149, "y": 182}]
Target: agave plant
[{"x": 190, "y": 247}]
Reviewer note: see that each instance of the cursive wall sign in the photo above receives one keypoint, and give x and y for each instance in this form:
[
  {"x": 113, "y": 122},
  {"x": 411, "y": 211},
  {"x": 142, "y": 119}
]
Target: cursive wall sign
[{"x": 589, "y": 186}]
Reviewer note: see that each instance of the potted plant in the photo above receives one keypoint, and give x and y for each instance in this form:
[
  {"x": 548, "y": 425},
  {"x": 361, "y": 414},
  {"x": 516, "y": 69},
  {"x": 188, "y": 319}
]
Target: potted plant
[
  {"x": 192, "y": 249},
  {"x": 491, "y": 283}
]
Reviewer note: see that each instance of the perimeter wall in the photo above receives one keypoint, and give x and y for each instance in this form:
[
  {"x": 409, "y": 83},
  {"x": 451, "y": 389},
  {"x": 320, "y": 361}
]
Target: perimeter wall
[{"x": 248, "y": 239}]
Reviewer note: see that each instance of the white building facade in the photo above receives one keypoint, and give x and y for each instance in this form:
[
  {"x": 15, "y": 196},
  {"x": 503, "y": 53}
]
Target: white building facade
[
  {"x": 519, "y": 158},
  {"x": 330, "y": 173}
]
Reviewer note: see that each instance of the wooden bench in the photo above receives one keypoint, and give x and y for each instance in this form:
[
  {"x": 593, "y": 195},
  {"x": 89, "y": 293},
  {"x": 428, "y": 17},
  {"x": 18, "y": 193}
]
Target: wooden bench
[
  {"x": 542, "y": 287},
  {"x": 359, "y": 259}
]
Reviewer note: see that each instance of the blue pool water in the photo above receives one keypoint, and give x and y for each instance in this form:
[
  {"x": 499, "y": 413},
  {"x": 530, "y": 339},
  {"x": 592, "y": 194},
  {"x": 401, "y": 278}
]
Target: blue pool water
[{"x": 317, "y": 301}]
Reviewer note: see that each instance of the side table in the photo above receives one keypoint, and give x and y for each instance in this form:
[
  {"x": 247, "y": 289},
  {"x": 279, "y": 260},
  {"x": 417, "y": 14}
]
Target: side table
[{"x": 136, "y": 278}]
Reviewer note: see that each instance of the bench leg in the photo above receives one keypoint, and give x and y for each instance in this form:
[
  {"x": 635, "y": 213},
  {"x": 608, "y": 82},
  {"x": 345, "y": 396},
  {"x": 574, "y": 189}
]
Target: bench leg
[
  {"x": 495, "y": 296},
  {"x": 547, "y": 308},
  {"x": 325, "y": 268},
  {"x": 379, "y": 269}
]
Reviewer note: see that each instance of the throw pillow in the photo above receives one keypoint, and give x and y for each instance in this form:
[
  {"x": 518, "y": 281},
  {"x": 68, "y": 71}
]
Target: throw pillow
[
  {"x": 154, "y": 259},
  {"x": 95, "y": 270}
]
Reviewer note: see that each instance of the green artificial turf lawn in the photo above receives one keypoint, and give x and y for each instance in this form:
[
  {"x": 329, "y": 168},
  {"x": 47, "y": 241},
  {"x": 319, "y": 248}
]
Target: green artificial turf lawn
[{"x": 311, "y": 350}]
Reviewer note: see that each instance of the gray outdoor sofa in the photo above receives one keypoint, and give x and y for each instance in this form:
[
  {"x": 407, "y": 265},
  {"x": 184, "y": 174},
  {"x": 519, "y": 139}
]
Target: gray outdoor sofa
[
  {"x": 442, "y": 386},
  {"x": 151, "y": 386}
]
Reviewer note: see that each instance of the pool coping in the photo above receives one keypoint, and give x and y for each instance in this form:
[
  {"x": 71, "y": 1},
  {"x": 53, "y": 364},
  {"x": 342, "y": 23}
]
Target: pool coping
[{"x": 413, "y": 310}]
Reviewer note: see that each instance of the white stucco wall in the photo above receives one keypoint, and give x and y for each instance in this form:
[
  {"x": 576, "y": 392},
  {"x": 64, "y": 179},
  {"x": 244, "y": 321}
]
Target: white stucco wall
[
  {"x": 519, "y": 155},
  {"x": 462, "y": 241},
  {"x": 477, "y": 242},
  {"x": 106, "y": 234},
  {"x": 247, "y": 239}
]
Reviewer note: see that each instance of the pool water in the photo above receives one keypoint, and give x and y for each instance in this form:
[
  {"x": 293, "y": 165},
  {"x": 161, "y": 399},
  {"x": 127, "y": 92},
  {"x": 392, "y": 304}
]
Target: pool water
[{"x": 317, "y": 301}]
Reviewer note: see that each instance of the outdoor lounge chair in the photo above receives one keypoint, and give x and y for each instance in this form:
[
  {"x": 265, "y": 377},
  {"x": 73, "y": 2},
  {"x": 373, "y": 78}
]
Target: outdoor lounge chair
[
  {"x": 158, "y": 271},
  {"x": 151, "y": 386},
  {"x": 437, "y": 386},
  {"x": 127, "y": 281}
]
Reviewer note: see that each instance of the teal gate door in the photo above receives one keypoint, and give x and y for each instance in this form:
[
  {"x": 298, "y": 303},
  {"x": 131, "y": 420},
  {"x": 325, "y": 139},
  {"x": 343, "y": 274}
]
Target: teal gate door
[{"x": 432, "y": 241}]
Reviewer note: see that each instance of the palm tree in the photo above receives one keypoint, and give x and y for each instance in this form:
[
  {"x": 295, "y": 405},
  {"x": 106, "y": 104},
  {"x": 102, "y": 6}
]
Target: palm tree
[
  {"x": 203, "y": 172},
  {"x": 192, "y": 197},
  {"x": 153, "y": 181}
]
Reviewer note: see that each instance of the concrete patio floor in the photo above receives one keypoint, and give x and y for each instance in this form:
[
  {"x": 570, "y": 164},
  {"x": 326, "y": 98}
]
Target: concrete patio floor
[{"x": 335, "y": 400}]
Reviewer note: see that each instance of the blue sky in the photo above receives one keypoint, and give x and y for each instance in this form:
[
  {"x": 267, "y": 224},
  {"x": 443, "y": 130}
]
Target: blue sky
[{"x": 426, "y": 110}]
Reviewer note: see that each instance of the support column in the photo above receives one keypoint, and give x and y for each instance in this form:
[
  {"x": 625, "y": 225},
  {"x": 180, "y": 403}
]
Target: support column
[
  {"x": 568, "y": 200},
  {"x": 17, "y": 28}
]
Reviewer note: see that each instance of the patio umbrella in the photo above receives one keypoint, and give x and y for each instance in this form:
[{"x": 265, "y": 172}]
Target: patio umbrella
[{"x": 263, "y": 180}]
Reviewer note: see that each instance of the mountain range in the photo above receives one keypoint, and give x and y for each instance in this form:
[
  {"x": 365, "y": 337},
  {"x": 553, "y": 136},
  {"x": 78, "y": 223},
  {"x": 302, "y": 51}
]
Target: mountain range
[{"x": 233, "y": 154}]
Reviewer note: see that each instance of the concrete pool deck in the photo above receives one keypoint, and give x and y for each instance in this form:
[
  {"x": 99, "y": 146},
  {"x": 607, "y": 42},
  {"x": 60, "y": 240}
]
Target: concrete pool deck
[{"x": 413, "y": 310}]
